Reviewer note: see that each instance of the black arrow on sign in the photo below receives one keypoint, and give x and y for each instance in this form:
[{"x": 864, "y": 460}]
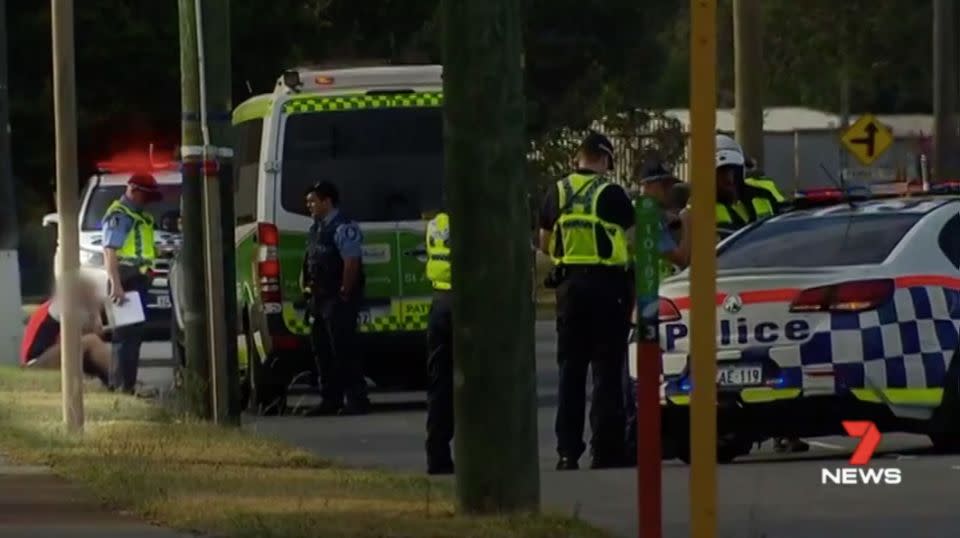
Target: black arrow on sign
[{"x": 870, "y": 140}]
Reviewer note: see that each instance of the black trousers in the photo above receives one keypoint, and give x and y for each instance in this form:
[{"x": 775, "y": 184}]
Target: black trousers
[
  {"x": 440, "y": 375},
  {"x": 125, "y": 352},
  {"x": 333, "y": 333},
  {"x": 592, "y": 332}
]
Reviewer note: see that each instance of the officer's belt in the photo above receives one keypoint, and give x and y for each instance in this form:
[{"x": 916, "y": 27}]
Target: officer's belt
[{"x": 594, "y": 269}]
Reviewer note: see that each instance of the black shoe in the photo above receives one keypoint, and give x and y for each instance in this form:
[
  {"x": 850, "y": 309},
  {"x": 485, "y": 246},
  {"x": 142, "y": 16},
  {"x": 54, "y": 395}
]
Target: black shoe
[
  {"x": 567, "y": 464},
  {"x": 440, "y": 467}
]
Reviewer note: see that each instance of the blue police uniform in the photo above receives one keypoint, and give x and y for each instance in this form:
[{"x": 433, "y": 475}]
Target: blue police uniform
[
  {"x": 125, "y": 353},
  {"x": 334, "y": 324}
]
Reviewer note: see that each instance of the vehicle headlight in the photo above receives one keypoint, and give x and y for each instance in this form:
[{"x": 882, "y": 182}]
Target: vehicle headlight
[{"x": 91, "y": 258}]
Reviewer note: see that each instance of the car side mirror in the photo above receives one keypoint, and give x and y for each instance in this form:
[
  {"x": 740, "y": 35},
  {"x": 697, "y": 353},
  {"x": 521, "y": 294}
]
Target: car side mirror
[{"x": 51, "y": 219}]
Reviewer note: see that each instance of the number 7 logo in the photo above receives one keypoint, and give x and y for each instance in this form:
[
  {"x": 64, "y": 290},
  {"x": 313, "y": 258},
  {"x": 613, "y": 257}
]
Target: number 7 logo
[{"x": 869, "y": 439}]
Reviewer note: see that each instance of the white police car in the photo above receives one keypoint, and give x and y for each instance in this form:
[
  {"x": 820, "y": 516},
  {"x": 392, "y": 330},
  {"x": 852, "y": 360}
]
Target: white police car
[
  {"x": 101, "y": 190},
  {"x": 845, "y": 311}
]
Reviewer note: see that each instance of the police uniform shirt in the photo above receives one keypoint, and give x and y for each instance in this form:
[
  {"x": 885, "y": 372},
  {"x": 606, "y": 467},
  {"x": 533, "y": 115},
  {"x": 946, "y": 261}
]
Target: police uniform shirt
[
  {"x": 118, "y": 225},
  {"x": 348, "y": 237},
  {"x": 613, "y": 206}
]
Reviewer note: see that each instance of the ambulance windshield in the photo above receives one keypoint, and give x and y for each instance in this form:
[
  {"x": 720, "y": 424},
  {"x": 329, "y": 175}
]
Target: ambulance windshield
[
  {"x": 387, "y": 163},
  {"x": 817, "y": 241}
]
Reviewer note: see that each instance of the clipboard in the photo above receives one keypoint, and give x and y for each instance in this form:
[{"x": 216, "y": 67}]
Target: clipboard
[{"x": 128, "y": 313}]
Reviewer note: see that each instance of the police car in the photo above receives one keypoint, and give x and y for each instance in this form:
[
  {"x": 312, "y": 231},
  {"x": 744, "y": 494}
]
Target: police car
[
  {"x": 847, "y": 309},
  {"x": 109, "y": 184}
]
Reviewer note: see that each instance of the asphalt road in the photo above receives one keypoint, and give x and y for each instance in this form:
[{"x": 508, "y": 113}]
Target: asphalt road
[{"x": 765, "y": 495}]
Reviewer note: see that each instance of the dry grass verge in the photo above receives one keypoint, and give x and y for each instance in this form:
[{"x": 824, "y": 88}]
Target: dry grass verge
[{"x": 197, "y": 477}]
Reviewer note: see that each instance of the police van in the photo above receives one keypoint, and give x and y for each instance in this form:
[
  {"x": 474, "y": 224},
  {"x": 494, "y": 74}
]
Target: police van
[
  {"x": 107, "y": 185},
  {"x": 377, "y": 133}
]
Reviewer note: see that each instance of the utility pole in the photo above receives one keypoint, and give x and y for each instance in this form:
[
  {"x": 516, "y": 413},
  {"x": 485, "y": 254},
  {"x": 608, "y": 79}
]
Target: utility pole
[
  {"x": 944, "y": 89},
  {"x": 748, "y": 74},
  {"x": 485, "y": 144},
  {"x": 703, "y": 270},
  {"x": 65, "y": 116},
  {"x": 11, "y": 302},
  {"x": 197, "y": 375},
  {"x": 213, "y": 53}
]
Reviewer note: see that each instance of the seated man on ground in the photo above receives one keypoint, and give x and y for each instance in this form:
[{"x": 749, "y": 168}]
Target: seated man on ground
[{"x": 41, "y": 339}]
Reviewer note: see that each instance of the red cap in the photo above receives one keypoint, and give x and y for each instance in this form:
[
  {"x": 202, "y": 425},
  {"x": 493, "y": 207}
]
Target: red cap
[{"x": 147, "y": 184}]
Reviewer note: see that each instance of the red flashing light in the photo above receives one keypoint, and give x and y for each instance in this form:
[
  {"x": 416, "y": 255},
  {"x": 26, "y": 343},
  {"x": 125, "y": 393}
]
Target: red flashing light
[
  {"x": 138, "y": 161},
  {"x": 854, "y": 296}
]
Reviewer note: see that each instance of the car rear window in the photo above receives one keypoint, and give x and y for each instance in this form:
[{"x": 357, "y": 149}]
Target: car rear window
[{"x": 817, "y": 241}]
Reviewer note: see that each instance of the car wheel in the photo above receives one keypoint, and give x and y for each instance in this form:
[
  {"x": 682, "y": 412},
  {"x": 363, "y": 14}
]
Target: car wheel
[
  {"x": 728, "y": 449},
  {"x": 947, "y": 443},
  {"x": 943, "y": 431}
]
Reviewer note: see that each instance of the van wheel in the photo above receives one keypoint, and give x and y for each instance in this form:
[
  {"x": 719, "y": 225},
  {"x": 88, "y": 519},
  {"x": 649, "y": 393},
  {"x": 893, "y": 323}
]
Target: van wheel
[
  {"x": 265, "y": 397},
  {"x": 945, "y": 443}
]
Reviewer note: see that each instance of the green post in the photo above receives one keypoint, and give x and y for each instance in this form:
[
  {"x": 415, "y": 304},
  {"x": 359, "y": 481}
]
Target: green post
[
  {"x": 197, "y": 375},
  {"x": 495, "y": 389},
  {"x": 647, "y": 259}
]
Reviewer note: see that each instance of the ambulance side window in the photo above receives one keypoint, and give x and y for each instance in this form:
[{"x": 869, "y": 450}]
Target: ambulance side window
[{"x": 949, "y": 240}]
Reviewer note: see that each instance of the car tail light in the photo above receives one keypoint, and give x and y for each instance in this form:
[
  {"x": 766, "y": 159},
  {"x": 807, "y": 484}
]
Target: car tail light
[
  {"x": 668, "y": 310},
  {"x": 268, "y": 263},
  {"x": 855, "y": 296}
]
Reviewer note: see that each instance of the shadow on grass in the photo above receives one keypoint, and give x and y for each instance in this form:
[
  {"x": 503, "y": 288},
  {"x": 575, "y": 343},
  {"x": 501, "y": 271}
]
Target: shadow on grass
[{"x": 198, "y": 477}]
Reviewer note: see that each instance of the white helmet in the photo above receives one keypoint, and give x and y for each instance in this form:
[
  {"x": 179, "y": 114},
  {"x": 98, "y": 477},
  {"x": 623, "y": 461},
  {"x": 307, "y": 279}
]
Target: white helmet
[{"x": 728, "y": 152}]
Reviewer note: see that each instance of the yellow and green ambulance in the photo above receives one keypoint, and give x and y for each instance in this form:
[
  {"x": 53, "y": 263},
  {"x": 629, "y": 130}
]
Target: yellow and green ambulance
[{"x": 377, "y": 133}]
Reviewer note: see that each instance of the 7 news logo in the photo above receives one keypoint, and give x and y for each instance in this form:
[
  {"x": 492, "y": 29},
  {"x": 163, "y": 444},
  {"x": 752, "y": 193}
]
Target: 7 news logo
[{"x": 860, "y": 474}]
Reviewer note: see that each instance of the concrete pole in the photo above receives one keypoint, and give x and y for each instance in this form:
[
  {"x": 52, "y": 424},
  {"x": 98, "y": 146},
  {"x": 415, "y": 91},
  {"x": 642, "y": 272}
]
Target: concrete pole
[
  {"x": 497, "y": 459},
  {"x": 213, "y": 59},
  {"x": 11, "y": 302},
  {"x": 748, "y": 75},
  {"x": 65, "y": 115}
]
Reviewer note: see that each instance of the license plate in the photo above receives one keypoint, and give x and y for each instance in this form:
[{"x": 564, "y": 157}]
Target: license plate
[
  {"x": 739, "y": 376},
  {"x": 162, "y": 301}
]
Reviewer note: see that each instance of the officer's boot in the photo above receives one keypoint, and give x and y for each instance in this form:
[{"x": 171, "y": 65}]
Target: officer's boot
[{"x": 438, "y": 459}]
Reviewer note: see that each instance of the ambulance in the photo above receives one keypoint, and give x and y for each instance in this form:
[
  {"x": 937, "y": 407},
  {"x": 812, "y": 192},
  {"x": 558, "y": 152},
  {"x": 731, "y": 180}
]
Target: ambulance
[{"x": 377, "y": 133}]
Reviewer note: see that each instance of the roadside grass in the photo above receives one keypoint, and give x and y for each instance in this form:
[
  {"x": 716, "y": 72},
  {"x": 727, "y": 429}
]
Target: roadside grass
[{"x": 200, "y": 478}]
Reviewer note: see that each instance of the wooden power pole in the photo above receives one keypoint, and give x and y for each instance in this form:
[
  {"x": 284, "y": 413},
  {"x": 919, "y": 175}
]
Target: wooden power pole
[
  {"x": 494, "y": 367},
  {"x": 748, "y": 72},
  {"x": 944, "y": 89},
  {"x": 197, "y": 375},
  {"x": 65, "y": 116}
]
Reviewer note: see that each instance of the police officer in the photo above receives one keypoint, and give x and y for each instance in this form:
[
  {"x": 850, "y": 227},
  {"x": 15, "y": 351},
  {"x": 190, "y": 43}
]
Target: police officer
[
  {"x": 755, "y": 177},
  {"x": 334, "y": 270},
  {"x": 128, "y": 253},
  {"x": 658, "y": 183},
  {"x": 738, "y": 203},
  {"x": 741, "y": 201},
  {"x": 439, "y": 345},
  {"x": 584, "y": 223}
]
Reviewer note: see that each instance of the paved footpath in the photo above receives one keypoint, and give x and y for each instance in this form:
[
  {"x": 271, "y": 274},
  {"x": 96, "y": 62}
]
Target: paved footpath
[{"x": 35, "y": 503}]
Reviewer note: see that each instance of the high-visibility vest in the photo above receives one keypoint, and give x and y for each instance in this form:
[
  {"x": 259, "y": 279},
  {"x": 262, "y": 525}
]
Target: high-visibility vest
[
  {"x": 574, "y": 238},
  {"x": 438, "y": 252},
  {"x": 138, "y": 247},
  {"x": 736, "y": 216},
  {"x": 766, "y": 184}
]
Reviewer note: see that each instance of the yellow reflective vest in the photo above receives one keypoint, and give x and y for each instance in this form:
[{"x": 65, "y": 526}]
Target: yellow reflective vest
[
  {"x": 574, "y": 240},
  {"x": 438, "y": 252},
  {"x": 138, "y": 247}
]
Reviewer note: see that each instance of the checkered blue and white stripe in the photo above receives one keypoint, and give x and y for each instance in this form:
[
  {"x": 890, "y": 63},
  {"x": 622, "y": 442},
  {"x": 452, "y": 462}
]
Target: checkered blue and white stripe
[{"x": 906, "y": 343}]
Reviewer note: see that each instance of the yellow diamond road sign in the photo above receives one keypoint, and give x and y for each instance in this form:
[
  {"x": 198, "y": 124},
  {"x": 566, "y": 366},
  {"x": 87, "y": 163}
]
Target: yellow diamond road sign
[{"x": 867, "y": 139}]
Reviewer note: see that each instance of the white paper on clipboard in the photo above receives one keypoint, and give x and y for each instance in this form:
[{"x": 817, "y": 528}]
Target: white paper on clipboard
[{"x": 128, "y": 313}]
